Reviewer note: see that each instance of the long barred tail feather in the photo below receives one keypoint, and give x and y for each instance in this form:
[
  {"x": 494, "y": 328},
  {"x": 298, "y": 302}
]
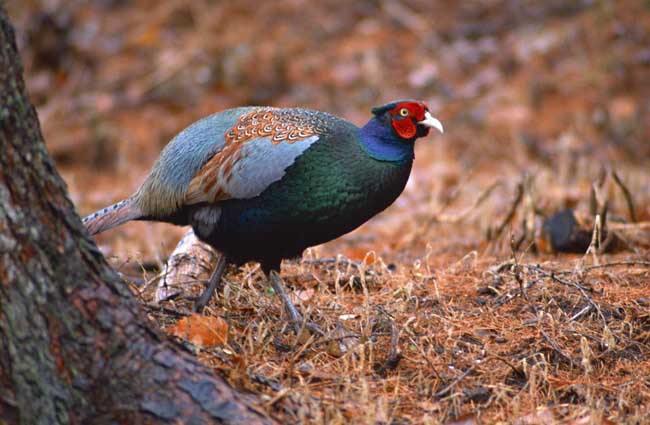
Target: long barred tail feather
[{"x": 112, "y": 216}]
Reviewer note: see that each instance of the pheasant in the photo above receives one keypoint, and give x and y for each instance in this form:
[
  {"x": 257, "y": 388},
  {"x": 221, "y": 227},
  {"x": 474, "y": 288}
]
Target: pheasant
[{"x": 263, "y": 184}]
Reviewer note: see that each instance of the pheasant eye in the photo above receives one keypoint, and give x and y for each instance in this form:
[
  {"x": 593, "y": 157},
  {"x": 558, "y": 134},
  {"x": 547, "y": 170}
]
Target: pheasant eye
[{"x": 404, "y": 112}]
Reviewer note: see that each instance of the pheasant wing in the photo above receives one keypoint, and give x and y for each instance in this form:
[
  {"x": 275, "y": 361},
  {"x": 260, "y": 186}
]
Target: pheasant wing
[{"x": 257, "y": 151}]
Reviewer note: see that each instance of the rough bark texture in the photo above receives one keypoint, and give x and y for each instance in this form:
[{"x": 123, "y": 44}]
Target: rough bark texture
[{"x": 74, "y": 347}]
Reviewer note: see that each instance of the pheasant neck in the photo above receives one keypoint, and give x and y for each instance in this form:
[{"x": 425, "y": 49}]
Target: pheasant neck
[{"x": 380, "y": 142}]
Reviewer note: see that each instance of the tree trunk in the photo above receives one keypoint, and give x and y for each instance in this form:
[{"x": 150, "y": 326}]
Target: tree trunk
[{"x": 74, "y": 346}]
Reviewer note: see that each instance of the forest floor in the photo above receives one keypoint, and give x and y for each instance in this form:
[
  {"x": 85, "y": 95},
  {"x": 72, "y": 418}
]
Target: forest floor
[{"x": 449, "y": 307}]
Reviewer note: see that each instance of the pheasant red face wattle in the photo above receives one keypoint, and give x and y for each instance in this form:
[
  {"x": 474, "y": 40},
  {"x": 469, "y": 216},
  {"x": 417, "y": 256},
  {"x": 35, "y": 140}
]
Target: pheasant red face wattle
[{"x": 406, "y": 116}]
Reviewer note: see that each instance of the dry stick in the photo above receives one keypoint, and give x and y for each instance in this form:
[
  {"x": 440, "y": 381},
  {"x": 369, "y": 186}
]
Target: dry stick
[
  {"x": 627, "y": 194},
  {"x": 594, "y": 245},
  {"x": 455, "y": 218},
  {"x": 426, "y": 359},
  {"x": 528, "y": 220},
  {"x": 438, "y": 217},
  {"x": 456, "y": 381},
  {"x": 553, "y": 276},
  {"x": 501, "y": 266},
  {"x": 506, "y": 362},
  {"x": 136, "y": 281},
  {"x": 623, "y": 227},
  {"x": 394, "y": 355},
  {"x": 593, "y": 304},
  {"x": 511, "y": 213},
  {"x": 453, "y": 196},
  {"x": 614, "y": 264},
  {"x": 512, "y": 263},
  {"x": 266, "y": 381},
  {"x": 509, "y": 297},
  {"x": 604, "y": 244},
  {"x": 556, "y": 347},
  {"x": 601, "y": 266},
  {"x": 517, "y": 272},
  {"x": 167, "y": 310},
  {"x": 545, "y": 274},
  {"x": 581, "y": 313}
]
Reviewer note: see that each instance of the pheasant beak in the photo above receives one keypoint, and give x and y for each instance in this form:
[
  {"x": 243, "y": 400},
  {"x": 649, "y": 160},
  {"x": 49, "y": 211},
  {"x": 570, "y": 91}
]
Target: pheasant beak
[{"x": 431, "y": 122}]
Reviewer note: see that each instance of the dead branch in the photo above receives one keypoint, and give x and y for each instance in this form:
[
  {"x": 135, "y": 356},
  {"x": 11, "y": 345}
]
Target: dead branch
[
  {"x": 511, "y": 212},
  {"x": 190, "y": 262},
  {"x": 556, "y": 347},
  {"x": 629, "y": 200},
  {"x": 457, "y": 218}
]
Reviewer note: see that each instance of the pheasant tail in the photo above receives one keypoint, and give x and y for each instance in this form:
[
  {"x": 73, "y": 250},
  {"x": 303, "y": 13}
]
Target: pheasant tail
[{"x": 112, "y": 216}]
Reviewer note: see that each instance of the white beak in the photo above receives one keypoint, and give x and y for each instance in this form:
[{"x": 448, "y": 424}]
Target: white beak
[{"x": 431, "y": 122}]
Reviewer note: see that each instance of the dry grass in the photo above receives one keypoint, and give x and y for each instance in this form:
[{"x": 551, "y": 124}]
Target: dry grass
[{"x": 477, "y": 337}]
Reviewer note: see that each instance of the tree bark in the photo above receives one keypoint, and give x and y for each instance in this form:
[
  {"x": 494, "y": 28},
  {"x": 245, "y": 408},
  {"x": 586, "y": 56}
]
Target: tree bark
[{"x": 74, "y": 346}]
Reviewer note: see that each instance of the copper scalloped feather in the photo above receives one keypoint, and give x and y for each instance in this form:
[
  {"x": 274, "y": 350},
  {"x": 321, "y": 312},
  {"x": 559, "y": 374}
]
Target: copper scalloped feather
[
  {"x": 217, "y": 179},
  {"x": 268, "y": 123}
]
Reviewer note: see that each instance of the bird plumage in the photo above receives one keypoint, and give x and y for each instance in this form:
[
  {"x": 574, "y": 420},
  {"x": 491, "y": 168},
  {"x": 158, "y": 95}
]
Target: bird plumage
[
  {"x": 112, "y": 216},
  {"x": 263, "y": 184}
]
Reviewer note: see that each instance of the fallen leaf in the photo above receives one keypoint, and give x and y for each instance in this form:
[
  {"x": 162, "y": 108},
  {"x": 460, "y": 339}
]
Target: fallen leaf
[{"x": 204, "y": 331}]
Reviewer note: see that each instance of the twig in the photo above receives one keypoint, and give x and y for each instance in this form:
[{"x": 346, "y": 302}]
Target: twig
[
  {"x": 594, "y": 245},
  {"x": 509, "y": 297},
  {"x": 426, "y": 359},
  {"x": 626, "y": 227},
  {"x": 455, "y": 382},
  {"x": 506, "y": 362},
  {"x": 581, "y": 288},
  {"x": 455, "y": 218},
  {"x": 615, "y": 264},
  {"x": 168, "y": 310},
  {"x": 394, "y": 356},
  {"x": 553, "y": 276},
  {"x": 501, "y": 266},
  {"x": 511, "y": 213},
  {"x": 583, "y": 291},
  {"x": 264, "y": 380},
  {"x": 556, "y": 347},
  {"x": 581, "y": 313},
  {"x": 627, "y": 194},
  {"x": 516, "y": 270},
  {"x": 137, "y": 281}
]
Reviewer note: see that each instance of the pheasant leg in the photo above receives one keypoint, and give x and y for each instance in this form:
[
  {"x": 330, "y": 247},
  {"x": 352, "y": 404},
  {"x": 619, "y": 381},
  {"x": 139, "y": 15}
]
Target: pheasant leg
[
  {"x": 214, "y": 282},
  {"x": 292, "y": 311}
]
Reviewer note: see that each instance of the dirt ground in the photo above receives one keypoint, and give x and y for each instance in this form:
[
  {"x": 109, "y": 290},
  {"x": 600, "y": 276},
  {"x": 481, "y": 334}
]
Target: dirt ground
[{"x": 449, "y": 307}]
